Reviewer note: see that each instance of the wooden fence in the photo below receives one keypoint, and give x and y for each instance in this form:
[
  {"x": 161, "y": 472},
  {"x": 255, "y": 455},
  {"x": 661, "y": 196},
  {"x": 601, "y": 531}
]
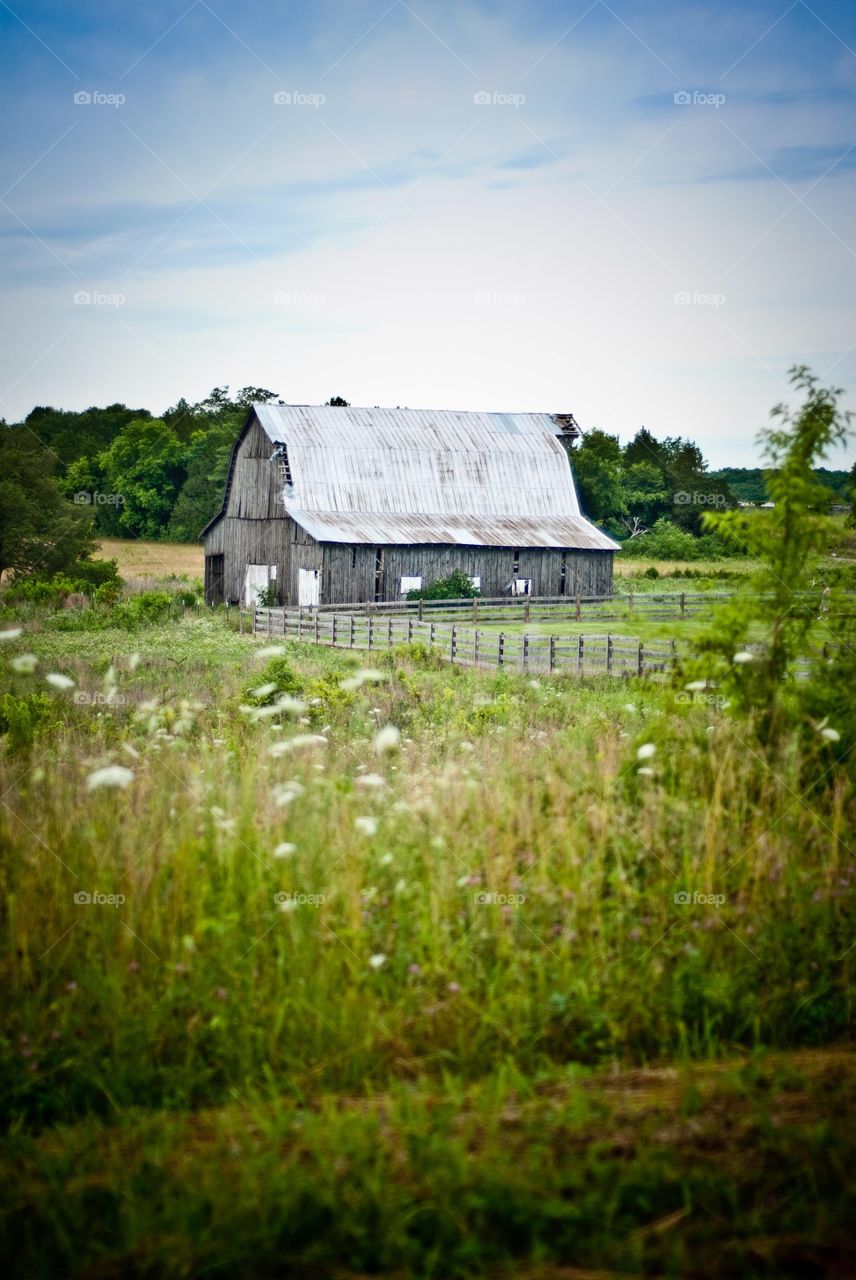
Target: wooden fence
[{"x": 471, "y": 646}]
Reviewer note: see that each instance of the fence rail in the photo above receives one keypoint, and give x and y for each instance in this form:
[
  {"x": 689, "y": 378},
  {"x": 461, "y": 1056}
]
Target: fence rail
[{"x": 471, "y": 646}]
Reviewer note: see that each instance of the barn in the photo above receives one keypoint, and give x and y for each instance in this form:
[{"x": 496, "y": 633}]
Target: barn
[{"x": 327, "y": 505}]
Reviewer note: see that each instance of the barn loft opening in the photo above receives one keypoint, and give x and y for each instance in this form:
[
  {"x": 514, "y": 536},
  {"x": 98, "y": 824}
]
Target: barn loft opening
[
  {"x": 563, "y": 573},
  {"x": 280, "y": 455}
]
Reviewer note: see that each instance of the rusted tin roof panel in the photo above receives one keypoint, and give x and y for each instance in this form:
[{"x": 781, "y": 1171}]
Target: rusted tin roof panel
[{"x": 379, "y": 529}]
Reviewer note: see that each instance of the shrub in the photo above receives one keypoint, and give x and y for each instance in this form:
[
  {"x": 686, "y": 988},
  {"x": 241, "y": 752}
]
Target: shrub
[
  {"x": 458, "y": 586},
  {"x": 22, "y": 717},
  {"x": 279, "y": 673}
]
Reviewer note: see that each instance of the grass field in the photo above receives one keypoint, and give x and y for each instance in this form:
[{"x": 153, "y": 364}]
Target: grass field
[
  {"x": 497, "y": 1000},
  {"x": 153, "y": 560}
]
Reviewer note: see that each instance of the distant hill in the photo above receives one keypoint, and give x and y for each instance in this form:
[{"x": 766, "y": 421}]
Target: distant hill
[{"x": 747, "y": 483}]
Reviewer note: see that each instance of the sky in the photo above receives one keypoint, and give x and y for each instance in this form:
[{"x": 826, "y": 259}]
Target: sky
[{"x": 641, "y": 213}]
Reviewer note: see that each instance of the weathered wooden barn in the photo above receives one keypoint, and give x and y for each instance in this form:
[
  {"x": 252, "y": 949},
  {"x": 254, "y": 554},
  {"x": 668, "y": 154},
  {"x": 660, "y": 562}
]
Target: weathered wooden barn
[{"x": 327, "y": 505}]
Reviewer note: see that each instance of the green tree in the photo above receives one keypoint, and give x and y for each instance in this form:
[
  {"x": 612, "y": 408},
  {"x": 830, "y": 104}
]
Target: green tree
[
  {"x": 145, "y": 468},
  {"x": 597, "y": 467},
  {"x": 39, "y": 531}
]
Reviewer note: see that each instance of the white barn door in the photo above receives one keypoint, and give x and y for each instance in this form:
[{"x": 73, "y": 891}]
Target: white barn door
[
  {"x": 308, "y": 588},
  {"x": 257, "y": 577}
]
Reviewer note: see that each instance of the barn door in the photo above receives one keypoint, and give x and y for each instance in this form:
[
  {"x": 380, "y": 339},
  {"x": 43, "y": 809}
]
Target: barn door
[
  {"x": 257, "y": 577},
  {"x": 309, "y": 588}
]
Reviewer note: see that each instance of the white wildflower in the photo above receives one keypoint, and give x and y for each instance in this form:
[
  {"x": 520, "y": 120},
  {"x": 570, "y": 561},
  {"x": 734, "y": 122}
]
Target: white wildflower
[
  {"x": 387, "y": 739},
  {"x": 377, "y": 961},
  {"x": 12, "y": 634},
  {"x": 295, "y": 743},
  {"x": 288, "y": 904},
  {"x": 366, "y": 826},
  {"x": 646, "y": 752},
  {"x": 696, "y": 686},
  {"x": 132, "y": 751},
  {"x": 831, "y": 735},
  {"x": 59, "y": 681},
  {"x": 645, "y": 772},
  {"x": 25, "y": 664},
  {"x": 134, "y": 661},
  {"x": 271, "y": 651},
  {"x": 743, "y": 656},
  {"x": 285, "y": 850},
  {"x": 264, "y": 689},
  {"x": 629, "y": 708},
  {"x": 371, "y": 780},
  {"x": 386, "y": 860},
  {"x": 113, "y": 775}
]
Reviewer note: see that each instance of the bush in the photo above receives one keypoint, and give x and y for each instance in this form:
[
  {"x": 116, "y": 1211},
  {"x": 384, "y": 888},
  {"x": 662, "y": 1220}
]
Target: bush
[
  {"x": 665, "y": 541},
  {"x": 21, "y": 718},
  {"x": 281, "y": 675},
  {"x": 458, "y": 586}
]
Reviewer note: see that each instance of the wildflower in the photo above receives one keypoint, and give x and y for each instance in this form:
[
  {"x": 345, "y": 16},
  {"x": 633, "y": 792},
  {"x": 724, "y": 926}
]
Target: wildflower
[
  {"x": 132, "y": 751},
  {"x": 387, "y": 739},
  {"x": 646, "y": 752},
  {"x": 386, "y": 860},
  {"x": 371, "y": 780},
  {"x": 285, "y": 850},
  {"x": 263, "y": 690},
  {"x": 695, "y": 686},
  {"x": 12, "y": 634},
  {"x": 134, "y": 661},
  {"x": 25, "y": 664},
  {"x": 629, "y": 708},
  {"x": 366, "y": 826},
  {"x": 220, "y": 993},
  {"x": 299, "y": 740},
  {"x": 288, "y": 905},
  {"x": 645, "y": 772},
  {"x": 414, "y": 969},
  {"x": 831, "y": 735},
  {"x": 377, "y": 961},
  {"x": 59, "y": 681},
  {"x": 271, "y": 651},
  {"x": 133, "y": 967},
  {"x": 113, "y": 775},
  {"x": 454, "y": 988},
  {"x": 743, "y": 656}
]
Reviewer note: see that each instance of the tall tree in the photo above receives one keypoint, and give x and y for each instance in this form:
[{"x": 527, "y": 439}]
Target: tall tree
[{"x": 39, "y": 530}]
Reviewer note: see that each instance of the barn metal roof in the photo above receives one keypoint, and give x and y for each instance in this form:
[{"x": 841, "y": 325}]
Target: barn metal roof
[{"x": 430, "y": 476}]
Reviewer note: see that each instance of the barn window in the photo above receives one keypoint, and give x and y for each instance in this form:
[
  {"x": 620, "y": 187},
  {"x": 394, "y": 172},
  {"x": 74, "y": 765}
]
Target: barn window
[
  {"x": 475, "y": 583},
  {"x": 284, "y": 464},
  {"x": 378, "y": 574},
  {"x": 353, "y": 557},
  {"x": 521, "y": 587},
  {"x": 515, "y": 567},
  {"x": 413, "y": 583},
  {"x": 563, "y": 574}
]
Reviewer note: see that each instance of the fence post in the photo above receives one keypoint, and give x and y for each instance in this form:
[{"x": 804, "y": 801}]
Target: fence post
[
  {"x": 683, "y": 604},
  {"x": 609, "y": 654},
  {"x": 420, "y": 608},
  {"x": 525, "y": 654},
  {"x": 432, "y": 626},
  {"x": 241, "y": 622},
  {"x": 579, "y": 613},
  {"x": 317, "y": 623},
  {"x": 270, "y": 622},
  {"x": 552, "y": 653},
  {"x": 334, "y": 631},
  {"x": 630, "y": 601},
  {"x": 410, "y": 629},
  {"x": 640, "y": 668},
  {"x": 371, "y": 631},
  {"x": 475, "y": 610},
  {"x": 674, "y": 652},
  {"x": 580, "y": 655},
  {"x": 500, "y": 649},
  {"x": 476, "y": 648},
  {"x": 351, "y": 630},
  {"x": 526, "y": 610},
  {"x": 453, "y": 644}
]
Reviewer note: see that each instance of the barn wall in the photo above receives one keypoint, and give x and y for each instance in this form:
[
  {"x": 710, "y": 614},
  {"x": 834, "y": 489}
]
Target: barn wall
[{"x": 348, "y": 573}]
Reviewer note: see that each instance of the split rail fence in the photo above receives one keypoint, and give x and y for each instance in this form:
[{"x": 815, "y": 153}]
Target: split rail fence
[{"x": 469, "y": 645}]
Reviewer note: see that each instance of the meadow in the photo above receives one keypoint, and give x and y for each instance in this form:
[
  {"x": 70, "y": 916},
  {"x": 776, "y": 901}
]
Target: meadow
[{"x": 320, "y": 969}]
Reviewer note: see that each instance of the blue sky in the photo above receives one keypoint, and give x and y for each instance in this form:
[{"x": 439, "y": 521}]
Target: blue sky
[{"x": 641, "y": 212}]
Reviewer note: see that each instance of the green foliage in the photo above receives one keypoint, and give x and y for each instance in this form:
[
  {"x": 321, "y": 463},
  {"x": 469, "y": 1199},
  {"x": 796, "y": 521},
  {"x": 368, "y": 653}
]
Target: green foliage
[
  {"x": 22, "y": 717},
  {"x": 781, "y": 607},
  {"x": 277, "y": 678},
  {"x": 39, "y": 531},
  {"x": 145, "y": 467},
  {"x": 665, "y": 541},
  {"x": 458, "y": 586},
  {"x": 268, "y": 597}
]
